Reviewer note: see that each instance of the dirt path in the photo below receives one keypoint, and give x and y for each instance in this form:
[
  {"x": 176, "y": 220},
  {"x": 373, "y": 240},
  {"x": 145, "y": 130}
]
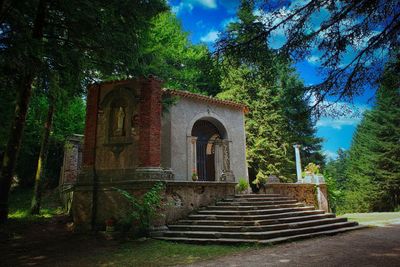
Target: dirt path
[
  {"x": 49, "y": 243},
  {"x": 378, "y": 246}
]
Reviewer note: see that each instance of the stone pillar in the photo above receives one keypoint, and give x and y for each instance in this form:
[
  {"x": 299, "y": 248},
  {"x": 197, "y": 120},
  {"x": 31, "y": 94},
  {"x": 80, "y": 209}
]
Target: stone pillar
[
  {"x": 92, "y": 109},
  {"x": 191, "y": 156},
  {"x": 227, "y": 174},
  {"x": 150, "y": 131},
  {"x": 218, "y": 159},
  {"x": 298, "y": 163},
  {"x": 150, "y": 123},
  {"x": 72, "y": 160}
]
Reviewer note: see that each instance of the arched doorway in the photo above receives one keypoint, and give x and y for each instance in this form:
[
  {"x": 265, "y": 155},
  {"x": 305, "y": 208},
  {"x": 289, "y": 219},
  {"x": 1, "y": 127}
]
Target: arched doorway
[{"x": 207, "y": 133}]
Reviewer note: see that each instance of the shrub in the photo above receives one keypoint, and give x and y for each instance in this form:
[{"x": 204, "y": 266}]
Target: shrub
[
  {"x": 261, "y": 180},
  {"x": 242, "y": 186},
  {"x": 144, "y": 209}
]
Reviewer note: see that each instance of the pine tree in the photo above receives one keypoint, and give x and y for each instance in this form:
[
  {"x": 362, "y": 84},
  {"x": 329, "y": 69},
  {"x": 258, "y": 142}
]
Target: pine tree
[
  {"x": 374, "y": 163},
  {"x": 171, "y": 56},
  {"x": 41, "y": 35},
  {"x": 279, "y": 115}
]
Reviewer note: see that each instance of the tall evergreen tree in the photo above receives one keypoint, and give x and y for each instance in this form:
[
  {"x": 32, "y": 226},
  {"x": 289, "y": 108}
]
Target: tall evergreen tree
[
  {"x": 279, "y": 115},
  {"x": 35, "y": 35},
  {"x": 170, "y": 55},
  {"x": 374, "y": 163}
]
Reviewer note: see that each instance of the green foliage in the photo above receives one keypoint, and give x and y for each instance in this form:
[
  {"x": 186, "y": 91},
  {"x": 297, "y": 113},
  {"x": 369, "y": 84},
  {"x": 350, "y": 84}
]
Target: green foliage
[
  {"x": 265, "y": 82},
  {"x": 242, "y": 186},
  {"x": 337, "y": 169},
  {"x": 20, "y": 202},
  {"x": 335, "y": 195},
  {"x": 69, "y": 119},
  {"x": 311, "y": 169},
  {"x": 369, "y": 175},
  {"x": 144, "y": 209},
  {"x": 340, "y": 26},
  {"x": 170, "y": 55},
  {"x": 261, "y": 180}
]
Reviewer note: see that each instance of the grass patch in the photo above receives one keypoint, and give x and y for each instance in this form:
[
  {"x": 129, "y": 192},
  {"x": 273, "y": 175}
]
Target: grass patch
[
  {"x": 20, "y": 203},
  {"x": 162, "y": 253},
  {"x": 374, "y": 218},
  {"x": 19, "y": 216}
]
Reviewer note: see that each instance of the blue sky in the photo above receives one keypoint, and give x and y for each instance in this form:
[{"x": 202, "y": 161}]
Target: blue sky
[{"x": 204, "y": 19}]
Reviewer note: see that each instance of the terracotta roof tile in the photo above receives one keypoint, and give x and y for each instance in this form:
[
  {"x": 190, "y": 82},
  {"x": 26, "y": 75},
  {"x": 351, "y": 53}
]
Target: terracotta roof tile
[{"x": 205, "y": 98}]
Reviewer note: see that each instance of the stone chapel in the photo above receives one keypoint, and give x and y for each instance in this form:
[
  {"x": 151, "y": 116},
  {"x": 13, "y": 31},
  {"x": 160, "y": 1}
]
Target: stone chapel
[{"x": 196, "y": 145}]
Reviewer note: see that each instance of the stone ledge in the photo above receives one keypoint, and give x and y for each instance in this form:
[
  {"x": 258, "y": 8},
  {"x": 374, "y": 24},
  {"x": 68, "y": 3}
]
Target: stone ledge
[{"x": 88, "y": 186}]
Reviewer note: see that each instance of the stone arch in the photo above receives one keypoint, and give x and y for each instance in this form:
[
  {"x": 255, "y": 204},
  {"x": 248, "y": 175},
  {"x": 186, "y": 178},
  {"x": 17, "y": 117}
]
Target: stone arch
[
  {"x": 221, "y": 147},
  {"x": 214, "y": 119}
]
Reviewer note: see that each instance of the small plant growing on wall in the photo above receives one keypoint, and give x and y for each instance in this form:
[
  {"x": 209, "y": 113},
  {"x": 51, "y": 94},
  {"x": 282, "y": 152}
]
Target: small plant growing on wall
[
  {"x": 242, "y": 186},
  {"x": 144, "y": 209},
  {"x": 195, "y": 176}
]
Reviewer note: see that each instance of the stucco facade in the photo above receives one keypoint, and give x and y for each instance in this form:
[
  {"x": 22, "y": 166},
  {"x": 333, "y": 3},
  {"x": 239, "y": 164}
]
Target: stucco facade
[{"x": 177, "y": 149}]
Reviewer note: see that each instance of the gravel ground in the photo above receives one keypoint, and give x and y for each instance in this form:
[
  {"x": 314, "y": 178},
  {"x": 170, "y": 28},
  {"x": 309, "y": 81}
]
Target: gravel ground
[{"x": 379, "y": 246}]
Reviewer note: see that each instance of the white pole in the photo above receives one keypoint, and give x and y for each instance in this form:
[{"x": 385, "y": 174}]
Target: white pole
[{"x": 298, "y": 163}]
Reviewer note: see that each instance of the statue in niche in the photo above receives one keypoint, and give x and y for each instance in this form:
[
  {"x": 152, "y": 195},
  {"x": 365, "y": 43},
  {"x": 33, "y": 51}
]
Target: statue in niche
[{"x": 118, "y": 122}]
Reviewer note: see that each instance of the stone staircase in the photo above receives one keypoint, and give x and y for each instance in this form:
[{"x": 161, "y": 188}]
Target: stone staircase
[{"x": 263, "y": 219}]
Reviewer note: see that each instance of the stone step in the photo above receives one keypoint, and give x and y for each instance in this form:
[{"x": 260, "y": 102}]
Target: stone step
[
  {"x": 257, "y": 195},
  {"x": 263, "y": 241},
  {"x": 243, "y": 207},
  {"x": 258, "y": 222},
  {"x": 254, "y": 212},
  {"x": 254, "y": 217},
  {"x": 254, "y": 199},
  {"x": 259, "y": 228},
  {"x": 259, "y": 235},
  {"x": 255, "y": 203}
]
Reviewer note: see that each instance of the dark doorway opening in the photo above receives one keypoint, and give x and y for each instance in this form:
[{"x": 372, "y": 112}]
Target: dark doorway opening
[{"x": 206, "y": 134}]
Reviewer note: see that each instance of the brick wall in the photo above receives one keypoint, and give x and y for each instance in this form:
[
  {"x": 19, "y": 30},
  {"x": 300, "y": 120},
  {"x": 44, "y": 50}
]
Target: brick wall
[
  {"x": 92, "y": 106},
  {"x": 150, "y": 123}
]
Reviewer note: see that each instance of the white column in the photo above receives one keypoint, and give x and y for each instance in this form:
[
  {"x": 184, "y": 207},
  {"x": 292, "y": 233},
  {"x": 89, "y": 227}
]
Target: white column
[
  {"x": 191, "y": 156},
  {"x": 298, "y": 163}
]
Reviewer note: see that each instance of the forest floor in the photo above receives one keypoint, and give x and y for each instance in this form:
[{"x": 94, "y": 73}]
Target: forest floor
[{"x": 48, "y": 240}]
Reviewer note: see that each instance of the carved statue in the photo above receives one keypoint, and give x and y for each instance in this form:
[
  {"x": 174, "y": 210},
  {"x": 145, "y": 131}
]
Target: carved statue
[{"x": 119, "y": 119}]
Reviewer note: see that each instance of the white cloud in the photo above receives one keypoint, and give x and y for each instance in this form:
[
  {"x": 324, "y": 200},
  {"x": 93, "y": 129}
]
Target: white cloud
[
  {"x": 210, "y": 37},
  {"x": 338, "y": 123},
  {"x": 207, "y": 3},
  {"x": 313, "y": 60},
  {"x": 182, "y": 7},
  {"x": 345, "y": 114},
  {"x": 352, "y": 115},
  {"x": 188, "y": 5},
  {"x": 330, "y": 155},
  {"x": 227, "y": 21}
]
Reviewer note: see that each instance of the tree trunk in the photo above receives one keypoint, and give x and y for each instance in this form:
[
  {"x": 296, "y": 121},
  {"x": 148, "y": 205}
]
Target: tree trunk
[
  {"x": 39, "y": 177},
  {"x": 24, "y": 91},
  {"x": 14, "y": 142}
]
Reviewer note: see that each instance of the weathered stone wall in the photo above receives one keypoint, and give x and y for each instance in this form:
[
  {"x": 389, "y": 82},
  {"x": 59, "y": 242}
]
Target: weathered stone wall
[
  {"x": 306, "y": 193},
  {"x": 72, "y": 160},
  {"x": 177, "y": 125},
  {"x": 112, "y": 157},
  {"x": 180, "y": 198},
  {"x": 70, "y": 169}
]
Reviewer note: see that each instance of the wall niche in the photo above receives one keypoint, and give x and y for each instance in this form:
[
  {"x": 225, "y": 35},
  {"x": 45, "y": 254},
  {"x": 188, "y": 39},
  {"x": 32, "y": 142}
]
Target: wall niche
[{"x": 120, "y": 108}]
